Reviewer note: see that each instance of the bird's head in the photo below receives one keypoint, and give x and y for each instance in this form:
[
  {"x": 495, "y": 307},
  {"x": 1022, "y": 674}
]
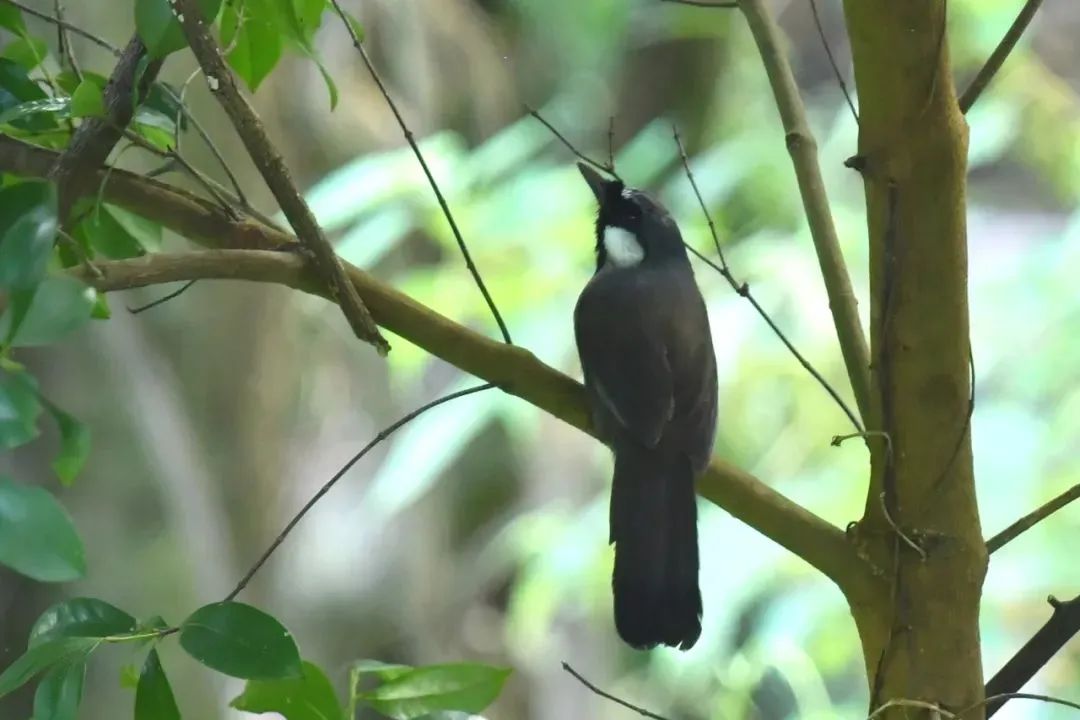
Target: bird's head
[{"x": 631, "y": 227}]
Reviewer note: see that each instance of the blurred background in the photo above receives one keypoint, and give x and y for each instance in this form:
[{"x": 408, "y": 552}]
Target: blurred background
[{"x": 479, "y": 531}]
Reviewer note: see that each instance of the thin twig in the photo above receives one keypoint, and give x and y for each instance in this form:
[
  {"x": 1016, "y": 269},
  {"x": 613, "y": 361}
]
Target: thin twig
[
  {"x": 997, "y": 58},
  {"x": 903, "y": 702},
  {"x": 64, "y": 43},
  {"x": 1002, "y": 697},
  {"x": 743, "y": 289},
  {"x": 75, "y": 29},
  {"x": 382, "y": 435},
  {"x": 608, "y": 696},
  {"x": 1031, "y": 519},
  {"x": 163, "y": 299},
  {"x": 409, "y": 138},
  {"x": 896, "y": 529},
  {"x": 172, "y": 154},
  {"x": 832, "y": 61},
  {"x": 608, "y": 167},
  {"x": 271, "y": 165},
  {"x": 803, "y": 150},
  {"x": 730, "y": 4},
  {"x": 1063, "y": 624}
]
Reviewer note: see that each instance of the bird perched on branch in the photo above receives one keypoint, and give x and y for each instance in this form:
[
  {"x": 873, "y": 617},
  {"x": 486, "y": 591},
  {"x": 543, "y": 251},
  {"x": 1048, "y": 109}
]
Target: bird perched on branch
[{"x": 650, "y": 374}]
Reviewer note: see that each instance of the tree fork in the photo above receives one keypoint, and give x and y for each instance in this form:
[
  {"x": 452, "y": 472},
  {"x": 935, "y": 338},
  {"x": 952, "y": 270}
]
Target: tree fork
[{"x": 920, "y": 635}]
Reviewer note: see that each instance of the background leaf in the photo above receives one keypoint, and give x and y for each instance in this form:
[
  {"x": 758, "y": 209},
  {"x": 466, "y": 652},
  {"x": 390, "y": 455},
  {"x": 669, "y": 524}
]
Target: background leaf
[
  {"x": 58, "y": 306},
  {"x": 154, "y": 699},
  {"x": 310, "y": 697},
  {"x": 466, "y": 687},
  {"x": 241, "y": 641},
  {"x": 37, "y": 538},
  {"x": 80, "y": 617}
]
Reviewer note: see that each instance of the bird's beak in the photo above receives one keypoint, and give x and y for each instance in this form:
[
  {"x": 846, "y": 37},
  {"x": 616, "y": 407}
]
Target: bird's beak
[{"x": 596, "y": 181}]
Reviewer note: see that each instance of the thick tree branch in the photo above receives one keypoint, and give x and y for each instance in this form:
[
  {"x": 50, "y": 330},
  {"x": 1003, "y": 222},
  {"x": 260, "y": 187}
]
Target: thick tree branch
[
  {"x": 997, "y": 58},
  {"x": 272, "y": 166},
  {"x": 1032, "y": 519},
  {"x": 513, "y": 369},
  {"x": 1063, "y": 624},
  {"x": 803, "y": 150}
]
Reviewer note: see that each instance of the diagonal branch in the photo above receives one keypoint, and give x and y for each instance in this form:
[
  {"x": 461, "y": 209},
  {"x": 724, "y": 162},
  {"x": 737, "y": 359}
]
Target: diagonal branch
[
  {"x": 997, "y": 58},
  {"x": 1063, "y": 624},
  {"x": 272, "y": 166},
  {"x": 1031, "y": 519},
  {"x": 803, "y": 150}
]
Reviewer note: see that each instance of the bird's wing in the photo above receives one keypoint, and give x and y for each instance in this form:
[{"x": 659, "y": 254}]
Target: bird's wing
[{"x": 625, "y": 370}]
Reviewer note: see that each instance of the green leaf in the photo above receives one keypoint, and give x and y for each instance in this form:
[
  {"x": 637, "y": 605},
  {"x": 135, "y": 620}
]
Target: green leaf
[
  {"x": 302, "y": 19},
  {"x": 16, "y": 88},
  {"x": 331, "y": 86},
  {"x": 80, "y": 617},
  {"x": 27, "y": 229},
  {"x": 158, "y": 128},
  {"x": 102, "y": 232},
  {"x": 154, "y": 699},
  {"x": 27, "y": 51},
  {"x": 69, "y": 82},
  {"x": 20, "y": 408},
  {"x": 253, "y": 34},
  {"x": 241, "y": 641},
  {"x": 59, "y": 305},
  {"x": 11, "y": 19},
  {"x": 146, "y": 233},
  {"x": 465, "y": 687},
  {"x": 60, "y": 692},
  {"x": 42, "y": 657},
  {"x": 160, "y": 30},
  {"x": 74, "y": 445},
  {"x": 37, "y": 537},
  {"x": 383, "y": 671},
  {"x": 87, "y": 100},
  {"x": 309, "y": 697},
  {"x": 58, "y": 107}
]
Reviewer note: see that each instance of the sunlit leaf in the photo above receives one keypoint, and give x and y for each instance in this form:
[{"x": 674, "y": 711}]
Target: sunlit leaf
[
  {"x": 464, "y": 687},
  {"x": 37, "y": 537},
  {"x": 241, "y": 641},
  {"x": 254, "y": 35},
  {"x": 309, "y": 697},
  {"x": 378, "y": 668},
  {"x": 87, "y": 100},
  {"x": 27, "y": 51}
]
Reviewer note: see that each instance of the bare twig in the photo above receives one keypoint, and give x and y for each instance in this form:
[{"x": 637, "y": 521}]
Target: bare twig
[
  {"x": 832, "y": 61},
  {"x": 63, "y": 43},
  {"x": 272, "y": 166},
  {"x": 409, "y": 138},
  {"x": 608, "y": 696},
  {"x": 382, "y": 435},
  {"x": 896, "y": 529},
  {"x": 1001, "y": 698},
  {"x": 997, "y": 58},
  {"x": 1063, "y": 624},
  {"x": 75, "y": 29},
  {"x": 608, "y": 167},
  {"x": 1031, "y": 519},
  {"x": 731, "y": 4},
  {"x": 174, "y": 155},
  {"x": 163, "y": 299},
  {"x": 903, "y": 702},
  {"x": 803, "y": 151},
  {"x": 743, "y": 289}
]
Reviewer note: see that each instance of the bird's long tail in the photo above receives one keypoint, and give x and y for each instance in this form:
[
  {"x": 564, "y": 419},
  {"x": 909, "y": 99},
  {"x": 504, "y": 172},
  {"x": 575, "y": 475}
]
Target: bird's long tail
[{"x": 654, "y": 529}]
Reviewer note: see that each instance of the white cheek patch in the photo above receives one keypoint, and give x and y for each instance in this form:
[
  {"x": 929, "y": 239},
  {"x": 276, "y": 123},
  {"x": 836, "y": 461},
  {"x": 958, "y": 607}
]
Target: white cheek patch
[{"x": 622, "y": 247}]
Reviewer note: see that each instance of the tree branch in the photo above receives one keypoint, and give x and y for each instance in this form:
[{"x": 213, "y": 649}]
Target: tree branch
[
  {"x": 803, "y": 150},
  {"x": 997, "y": 58},
  {"x": 1063, "y": 624},
  {"x": 272, "y": 166},
  {"x": 1031, "y": 519}
]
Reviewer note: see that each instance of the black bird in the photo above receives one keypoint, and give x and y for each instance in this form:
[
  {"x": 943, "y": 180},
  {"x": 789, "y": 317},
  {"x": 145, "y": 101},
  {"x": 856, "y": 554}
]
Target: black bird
[{"x": 650, "y": 374}]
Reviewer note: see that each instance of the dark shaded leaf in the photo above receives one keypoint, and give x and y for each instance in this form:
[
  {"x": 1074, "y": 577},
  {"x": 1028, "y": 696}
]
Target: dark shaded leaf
[
  {"x": 465, "y": 687},
  {"x": 59, "y": 305},
  {"x": 154, "y": 699},
  {"x": 241, "y": 641},
  {"x": 27, "y": 230},
  {"x": 11, "y": 19},
  {"x": 80, "y": 617},
  {"x": 37, "y": 537},
  {"x": 74, "y": 445},
  {"x": 310, "y": 697},
  {"x": 44, "y": 656},
  {"x": 60, "y": 692}
]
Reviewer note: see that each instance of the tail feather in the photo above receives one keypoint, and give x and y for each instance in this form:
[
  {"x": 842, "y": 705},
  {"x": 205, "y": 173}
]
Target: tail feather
[{"x": 654, "y": 530}]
